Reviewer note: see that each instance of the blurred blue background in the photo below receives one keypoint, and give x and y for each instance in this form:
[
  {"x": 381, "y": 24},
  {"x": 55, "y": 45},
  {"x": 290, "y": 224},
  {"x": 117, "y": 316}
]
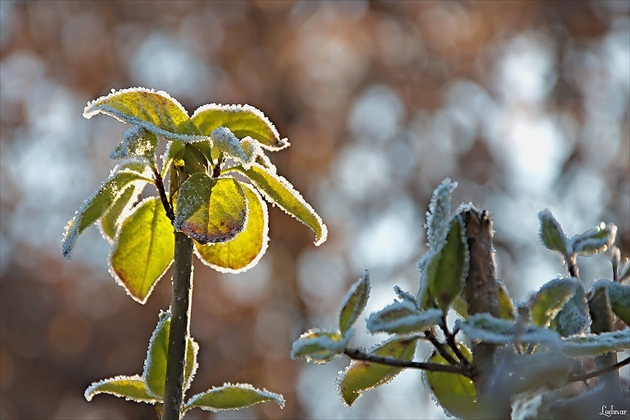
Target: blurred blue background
[{"x": 524, "y": 103}]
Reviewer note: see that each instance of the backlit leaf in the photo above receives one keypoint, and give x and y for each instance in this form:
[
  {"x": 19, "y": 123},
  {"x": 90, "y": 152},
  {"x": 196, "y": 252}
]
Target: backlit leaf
[
  {"x": 354, "y": 303},
  {"x": 594, "y": 240},
  {"x": 505, "y": 303},
  {"x": 154, "y": 373},
  {"x": 551, "y": 234},
  {"x": 362, "y": 376},
  {"x": 232, "y": 397},
  {"x": 279, "y": 191},
  {"x": 137, "y": 143},
  {"x": 403, "y": 318},
  {"x": 320, "y": 346},
  {"x": 156, "y": 112},
  {"x": 550, "y": 299},
  {"x": 210, "y": 210},
  {"x": 131, "y": 388},
  {"x": 97, "y": 205},
  {"x": 455, "y": 393},
  {"x": 449, "y": 266},
  {"x": 439, "y": 214},
  {"x": 112, "y": 218},
  {"x": 242, "y": 120},
  {"x": 245, "y": 250},
  {"x": 596, "y": 344},
  {"x": 143, "y": 249}
]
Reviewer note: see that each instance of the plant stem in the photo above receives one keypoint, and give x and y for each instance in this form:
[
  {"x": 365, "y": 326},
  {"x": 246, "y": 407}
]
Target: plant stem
[
  {"x": 356, "y": 354},
  {"x": 180, "y": 325}
]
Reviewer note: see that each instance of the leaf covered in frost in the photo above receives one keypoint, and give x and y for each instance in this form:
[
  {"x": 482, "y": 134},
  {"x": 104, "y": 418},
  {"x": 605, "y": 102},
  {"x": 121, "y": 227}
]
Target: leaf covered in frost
[
  {"x": 506, "y": 306},
  {"x": 154, "y": 373},
  {"x": 574, "y": 317},
  {"x": 354, "y": 303},
  {"x": 439, "y": 214},
  {"x": 488, "y": 329},
  {"x": 550, "y": 299},
  {"x": 403, "y": 318},
  {"x": 143, "y": 249},
  {"x": 210, "y": 210},
  {"x": 595, "y": 240},
  {"x": 156, "y": 112},
  {"x": 112, "y": 218},
  {"x": 320, "y": 346},
  {"x": 242, "y": 120},
  {"x": 131, "y": 388},
  {"x": 405, "y": 296},
  {"x": 455, "y": 393},
  {"x": 448, "y": 268},
  {"x": 245, "y": 250},
  {"x": 551, "y": 234},
  {"x": 596, "y": 344},
  {"x": 361, "y": 376},
  {"x": 279, "y": 191},
  {"x": 232, "y": 397},
  {"x": 618, "y": 296},
  {"x": 136, "y": 143}
]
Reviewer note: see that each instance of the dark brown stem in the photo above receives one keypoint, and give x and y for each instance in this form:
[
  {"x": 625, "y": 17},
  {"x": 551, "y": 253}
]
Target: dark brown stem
[
  {"x": 430, "y": 335},
  {"x": 450, "y": 340},
  {"x": 595, "y": 373},
  {"x": 356, "y": 354},
  {"x": 159, "y": 184},
  {"x": 572, "y": 266}
]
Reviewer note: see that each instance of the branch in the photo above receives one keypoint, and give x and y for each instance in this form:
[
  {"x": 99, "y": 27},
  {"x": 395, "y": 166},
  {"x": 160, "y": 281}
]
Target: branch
[
  {"x": 357, "y": 354},
  {"x": 430, "y": 335},
  {"x": 159, "y": 183},
  {"x": 589, "y": 375}
]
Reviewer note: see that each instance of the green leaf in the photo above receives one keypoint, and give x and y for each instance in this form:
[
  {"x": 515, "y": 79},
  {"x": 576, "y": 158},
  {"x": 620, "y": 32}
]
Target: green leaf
[
  {"x": 596, "y": 344},
  {"x": 245, "y": 250},
  {"x": 210, "y": 210},
  {"x": 354, "y": 303},
  {"x": 595, "y": 240},
  {"x": 320, "y": 346},
  {"x": 403, "y": 318},
  {"x": 574, "y": 317},
  {"x": 143, "y": 249},
  {"x": 111, "y": 220},
  {"x": 279, "y": 191},
  {"x": 137, "y": 143},
  {"x": 362, "y": 376},
  {"x": 618, "y": 296},
  {"x": 505, "y": 303},
  {"x": 154, "y": 111},
  {"x": 484, "y": 327},
  {"x": 550, "y": 299},
  {"x": 154, "y": 373},
  {"x": 551, "y": 234},
  {"x": 455, "y": 393},
  {"x": 439, "y": 214},
  {"x": 242, "y": 120},
  {"x": 131, "y": 388},
  {"x": 97, "y": 205},
  {"x": 232, "y": 397},
  {"x": 448, "y": 267}
]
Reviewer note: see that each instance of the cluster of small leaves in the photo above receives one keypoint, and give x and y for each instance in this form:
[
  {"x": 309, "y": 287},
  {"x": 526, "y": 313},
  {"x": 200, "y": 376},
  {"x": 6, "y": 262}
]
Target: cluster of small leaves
[
  {"x": 149, "y": 387},
  {"x": 553, "y": 325},
  {"x": 225, "y": 216}
]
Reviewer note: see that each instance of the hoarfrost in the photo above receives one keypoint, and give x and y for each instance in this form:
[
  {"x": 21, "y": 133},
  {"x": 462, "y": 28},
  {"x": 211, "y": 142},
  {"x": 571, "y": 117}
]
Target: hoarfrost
[{"x": 439, "y": 214}]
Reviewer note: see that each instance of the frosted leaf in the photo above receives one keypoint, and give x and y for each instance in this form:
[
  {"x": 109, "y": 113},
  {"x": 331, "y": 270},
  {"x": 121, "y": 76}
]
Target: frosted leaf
[
  {"x": 232, "y": 397},
  {"x": 618, "y": 296},
  {"x": 574, "y": 317},
  {"x": 403, "y": 318},
  {"x": 425, "y": 299},
  {"x": 405, "y": 296},
  {"x": 131, "y": 388},
  {"x": 439, "y": 214},
  {"x": 253, "y": 152},
  {"x": 136, "y": 143},
  {"x": 623, "y": 270},
  {"x": 595, "y": 240},
  {"x": 596, "y": 344},
  {"x": 354, "y": 303},
  {"x": 551, "y": 234},
  {"x": 320, "y": 346},
  {"x": 227, "y": 142},
  {"x": 550, "y": 299},
  {"x": 488, "y": 329}
]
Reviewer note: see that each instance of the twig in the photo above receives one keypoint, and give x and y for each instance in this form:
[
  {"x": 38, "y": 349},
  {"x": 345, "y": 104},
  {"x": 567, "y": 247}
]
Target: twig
[
  {"x": 356, "y": 354},
  {"x": 589, "y": 375},
  {"x": 450, "y": 340},
  {"x": 159, "y": 184},
  {"x": 430, "y": 335}
]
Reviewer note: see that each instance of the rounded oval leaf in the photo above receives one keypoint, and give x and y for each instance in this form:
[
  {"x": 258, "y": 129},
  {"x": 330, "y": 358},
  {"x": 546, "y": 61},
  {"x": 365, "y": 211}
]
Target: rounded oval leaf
[
  {"x": 354, "y": 303},
  {"x": 245, "y": 250},
  {"x": 403, "y": 318},
  {"x": 232, "y": 397},
  {"x": 550, "y": 299},
  {"x": 131, "y": 388},
  {"x": 210, "y": 210},
  {"x": 595, "y": 240},
  {"x": 551, "y": 234},
  {"x": 143, "y": 249},
  {"x": 320, "y": 346}
]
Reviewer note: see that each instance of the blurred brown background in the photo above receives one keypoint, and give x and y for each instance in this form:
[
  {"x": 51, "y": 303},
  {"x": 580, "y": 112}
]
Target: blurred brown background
[{"x": 524, "y": 103}]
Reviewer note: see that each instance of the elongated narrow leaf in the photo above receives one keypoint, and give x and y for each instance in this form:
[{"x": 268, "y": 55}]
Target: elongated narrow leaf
[
  {"x": 484, "y": 327},
  {"x": 403, "y": 318},
  {"x": 131, "y": 388},
  {"x": 156, "y": 112},
  {"x": 551, "y": 234},
  {"x": 154, "y": 373},
  {"x": 96, "y": 206},
  {"x": 596, "y": 344},
  {"x": 111, "y": 220},
  {"x": 143, "y": 249},
  {"x": 618, "y": 296},
  {"x": 232, "y": 397},
  {"x": 439, "y": 214},
  {"x": 320, "y": 346},
  {"x": 362, "y": 376},
  {"x": 455, "y": 393},
  {"x": 354, "y": 303},
  {"x": 211, "y": 210},
  {"x": 242, "y": 120},
  {"x": 550, "y": 299},
  {"x": 449, "y": 266},
  {"x": 245, "y": 250},
  {"x": 405, "y": 296},
  {"x": 574, "y": 317},
  {"x": 595, "y": 240},
  {"x": 279, "y": 191}
]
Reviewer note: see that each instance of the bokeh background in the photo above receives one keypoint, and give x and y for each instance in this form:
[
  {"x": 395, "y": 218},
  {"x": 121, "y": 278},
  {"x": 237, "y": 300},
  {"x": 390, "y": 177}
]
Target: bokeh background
[{"x": 525, "y": 104}]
